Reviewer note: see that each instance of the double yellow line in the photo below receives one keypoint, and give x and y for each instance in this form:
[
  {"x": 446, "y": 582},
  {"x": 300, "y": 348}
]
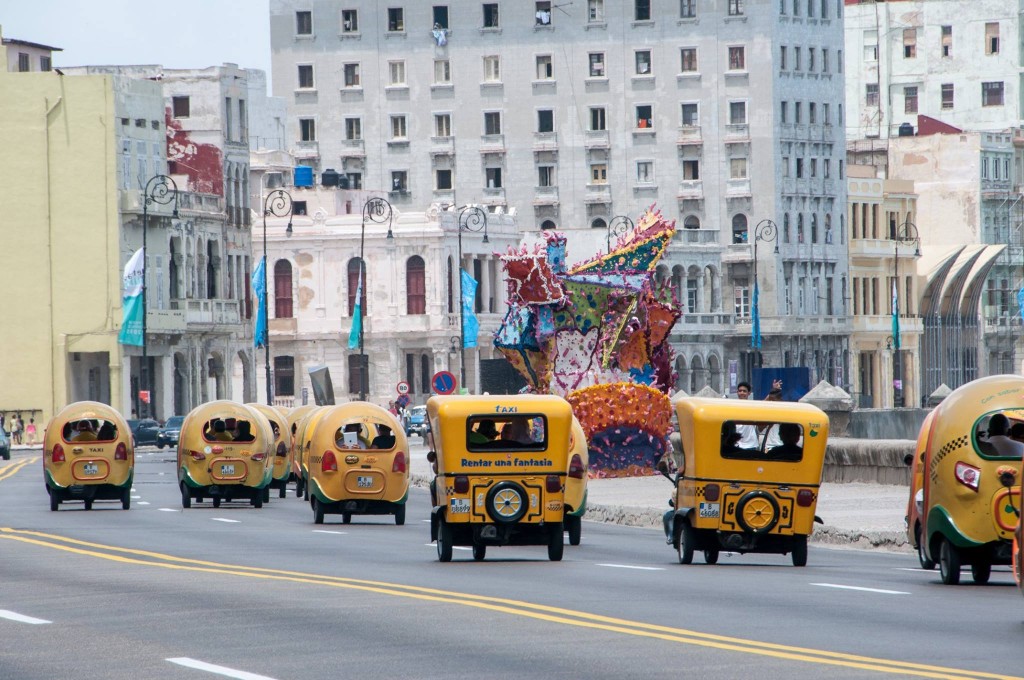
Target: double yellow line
[
  {"x": 555, "y": 615},
  {"x": 8, "y": 471}
]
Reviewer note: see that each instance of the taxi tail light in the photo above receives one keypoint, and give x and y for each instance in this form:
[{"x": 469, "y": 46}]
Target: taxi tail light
[
  {"x": 197, "y": 455},
  {"x": 712, "y": 492},
  {"x": 576, "y": 469},
  {"x": 258, "y": 456},
  {"x": 462, "y": 484},
  {"x": 399, "y": 464},
  {"x": 804, "y": 498},
  {"x": 553, "y": 483},
  {"x": 282, "y": 450},
  {"x": 968, "y": 475},
  {"x": 121, "y": 453},
  {"x": 329, "y": 462},
  {"x": 58, "y": 454}
]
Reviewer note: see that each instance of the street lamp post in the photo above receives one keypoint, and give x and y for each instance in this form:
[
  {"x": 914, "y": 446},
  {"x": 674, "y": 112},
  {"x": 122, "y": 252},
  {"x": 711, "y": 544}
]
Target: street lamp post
[
  {"x": 160, "y": 189},
  {"x": 766, "y": 230},
  {"x": 378, "y": 211},
  {"x": 908, "y": 235},
  {"x": 277, "y": 203},
  {"x": 620, "y": 225},
  {"x": 471, "y": 218}
]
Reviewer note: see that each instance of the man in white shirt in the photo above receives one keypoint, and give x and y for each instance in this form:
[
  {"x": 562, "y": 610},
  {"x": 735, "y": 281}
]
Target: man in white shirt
[{"x": 747, "y": 433}]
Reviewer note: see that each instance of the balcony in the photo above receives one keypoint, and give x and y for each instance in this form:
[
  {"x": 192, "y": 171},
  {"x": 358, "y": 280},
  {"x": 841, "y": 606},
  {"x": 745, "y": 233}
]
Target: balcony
[
  {"x": 702, "y": 322},
  {"x": 306, "y": 150},
  {"x": 881, "y": 324},
  {"x": 690, "y": 189},
  {"x": 738, "y": 252},
  {"x": 545, "y": 141},
  {"x": 284, "y": 327},
  {"x": 598, "y": 193},
  {"x": 689, "y": 135},
  {"x": 209, "y": 312},
  {"x": 165, "y": 320},
  {"x": 494, "y": 195},
  {"x": 545, "y": 195},
  {"x": 492, "y": 144},
  {"x": 737, "y": 188},
  {"x": 737, "y": 133},
  {"x": 353, "y": 148},
  {"x": 444, "y": 196},
  {"x": 698, "y": 237},
  {"x": 442, "y": 146},
  {"x": 596, "y": 139}
]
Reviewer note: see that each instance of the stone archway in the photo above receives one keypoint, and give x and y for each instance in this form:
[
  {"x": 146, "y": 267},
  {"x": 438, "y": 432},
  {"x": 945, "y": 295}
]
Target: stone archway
[{"x": 242, "y": 388}]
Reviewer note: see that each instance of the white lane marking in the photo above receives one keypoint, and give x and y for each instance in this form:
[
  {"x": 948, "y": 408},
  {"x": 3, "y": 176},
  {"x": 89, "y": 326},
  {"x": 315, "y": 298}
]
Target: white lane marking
[
  {"x": 865, "y": 590},
  {"x": 630, "y": 566},
  {"x": 325, "y": 531},
  {"x": 21, "y": 618},
  {"x": 223, "y": 519},
  {"x": 425, "y": 520},
  {"x": 912, "y": 569},
  {"x": 144, "y": 503},
  {"x": 168, "y": 510},
  {"x": 462, "y": 547},
  {"x": 135, "y": 498},
  {"x": 219, "y": 670}
]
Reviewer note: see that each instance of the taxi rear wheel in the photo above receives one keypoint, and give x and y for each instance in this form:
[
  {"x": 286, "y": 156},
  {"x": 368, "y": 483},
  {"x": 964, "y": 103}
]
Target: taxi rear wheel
[
  {"x": 981, "y": 572},
  {"x": 574, "y": 525},
  {"x": 282, "y": 492},
  {"x": 216, "y": 502},
  {"x": 257, "y": 499},
  {"x": 54, "y": 499},
  {"x": 318, "y": 512},
  {"x": 757, "y": 512},
  {"x": 479, "y": 551},
  {"x": 186, "y": 497},
  {"x": 506, "y": 503},
  {"x": 444, "y": 541},
  {"x": 949, "y": 563},
  {"x": 556, "y": 542},
  {"x": 346, "y": 518},
  {"x": 799, "y": 552},
  {"x": 298, "y": 488},
  {"x": 88, "y": 504},
  {"x": 126, "y": 499},
  {"x": 684, "y": 541},
  {"x": 922, "y": 554},
  {"x": 711, "y": 556},
  {"x": 400, "y": 515}
]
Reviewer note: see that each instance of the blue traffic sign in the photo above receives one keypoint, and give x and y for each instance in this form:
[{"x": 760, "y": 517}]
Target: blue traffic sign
[{"x": 443, "y": 382}]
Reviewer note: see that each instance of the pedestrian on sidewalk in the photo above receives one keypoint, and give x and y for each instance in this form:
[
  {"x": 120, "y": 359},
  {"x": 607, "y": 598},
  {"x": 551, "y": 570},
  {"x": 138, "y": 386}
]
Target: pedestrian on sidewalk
[
  {"x": 16, "y": 429},
  {"x": 30, "y": 432}
]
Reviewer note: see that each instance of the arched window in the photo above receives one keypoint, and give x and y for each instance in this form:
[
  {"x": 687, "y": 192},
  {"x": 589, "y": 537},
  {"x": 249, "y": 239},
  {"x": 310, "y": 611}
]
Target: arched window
[
  {"x": 425, "y": 373},
  {"x": 353, "y": 286},
  {"x": 415, "y": 286},
  {"x": 451, "y": 285},
  {"x": 785, "y": 228},
  {"x": 172, "y": 271},
  {"x": 814, "y": 227},
  {"x": 799, "y": 228},
  {"x": 599, "y": 223},
  {"x": 547, "y": 224},
  {"x": 739, "y": 228},
  {"x": 282, "y": 289},
  {"x": 691, "y": 222}
]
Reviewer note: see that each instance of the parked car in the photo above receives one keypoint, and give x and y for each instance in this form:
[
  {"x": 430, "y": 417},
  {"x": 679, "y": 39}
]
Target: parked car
[
  {"x": 144, "y": 431},
  {"x": 417, "y": 423},
  {"x": 168, "y": 434},
  {"x": 5, "y": 445}
]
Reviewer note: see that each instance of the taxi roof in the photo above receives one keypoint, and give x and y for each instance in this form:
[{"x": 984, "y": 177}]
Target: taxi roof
[
  {"x": 82, "y": 410},
  {"x": 703, "y": 409},
  {"x": 464, "y": 406}
]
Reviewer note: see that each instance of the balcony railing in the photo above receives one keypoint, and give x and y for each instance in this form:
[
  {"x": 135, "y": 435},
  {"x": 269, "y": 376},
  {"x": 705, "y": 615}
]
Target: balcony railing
[
  {"x": 307, "y": 149},
  {"x": 353, "y": 148},
  {"x": 698, "y": 236},
  {"x": 218, "y": 312},
  {"x": 691, "y": 188},
  {"x": 596, "y": 139},
  {"x": 689, "y": 134},
  {"x": 442, "y": 146},
  {"x": 492, "y": 144},
  {"x": 545, "y": 195},
  {"x": 545, "y": 141},
  {"x": 598, "y": 193}
]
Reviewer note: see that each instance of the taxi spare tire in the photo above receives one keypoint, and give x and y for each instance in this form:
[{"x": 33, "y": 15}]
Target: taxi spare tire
[
  {"x": 757, "y": 512},
  {"x": 506, "y": 502}
]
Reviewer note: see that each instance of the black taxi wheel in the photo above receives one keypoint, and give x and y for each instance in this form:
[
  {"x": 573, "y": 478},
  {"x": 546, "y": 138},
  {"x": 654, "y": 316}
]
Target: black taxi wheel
[
  {"x": 400, "y": 515},
  {"x": 54, "y": 499},
  {"x": 556, "y": 542},
  {"x": 444, "y": 541},
  {"x": 283, "y": 491},
  {"x": 949, "y": 563},
  {"x": 186, "y": 497},
  {"x": 318, "y": 512},
  {"x": 799, "y": 551},
  {"x": 479, "y": 551},
  {"x": 684, "y": 541},
  {"x": 574, "y": 525},
  {"x": 506, "y": 502},
  {"x": 981, "y": 572},
  {"x": 711, "y": 556},
  {"x": 757, "y": 512},
  {"x": 216, "y": 501},
  {"x": 126, "y": 499},
  {"x": 922, "y": 552}
]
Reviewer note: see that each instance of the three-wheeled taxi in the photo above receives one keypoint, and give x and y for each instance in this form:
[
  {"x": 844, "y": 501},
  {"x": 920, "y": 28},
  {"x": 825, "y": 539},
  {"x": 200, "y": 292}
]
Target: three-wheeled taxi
[
  {"x": 88, "y": 455},
  {"x": 755, "y": 499},
  {"x": 303, "y": 442},
  {"x": 916, "y": 499},
  {"x": 295, "y": 418},
  {"x": 225, "y": 452},
  {"x": 501, "y": 465},
  {"x": 970, "y": 508},
  {"x": 358, "y": 463},
  {"x": 281, "y": 447},
  {"x": 576, "y": 483}
]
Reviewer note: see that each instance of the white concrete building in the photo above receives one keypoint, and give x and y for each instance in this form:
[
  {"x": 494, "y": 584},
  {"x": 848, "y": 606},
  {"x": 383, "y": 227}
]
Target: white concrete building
[{"x": 723, "y": 114}]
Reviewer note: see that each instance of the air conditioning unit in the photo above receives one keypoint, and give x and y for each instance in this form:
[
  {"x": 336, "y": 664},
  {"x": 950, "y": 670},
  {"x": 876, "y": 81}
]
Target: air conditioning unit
[{"x": 274, "y": 180}]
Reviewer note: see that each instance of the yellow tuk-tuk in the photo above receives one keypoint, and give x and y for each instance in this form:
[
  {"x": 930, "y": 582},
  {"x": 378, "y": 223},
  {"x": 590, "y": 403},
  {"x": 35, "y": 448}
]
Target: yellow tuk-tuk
[
  {"x": 576, "y": 483},
  {"x": 295, "y": 417},
  {"x": 501, "y": 465},
  {"x": 358, "y": 463},
  {"x": 303, "y": 441},
  {"x": 88, "y": 455},
  {"x": 281, "y": 447},
  {"x": 971, "y": 502},
  {"x": 225, "y": 452},
  {"x": 750, "y": 477},
  {"x": 916, "y": 499}
]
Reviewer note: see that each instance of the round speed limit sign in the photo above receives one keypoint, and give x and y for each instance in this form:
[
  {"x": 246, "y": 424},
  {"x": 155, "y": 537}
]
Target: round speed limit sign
[{"x": 403, "y": 387}]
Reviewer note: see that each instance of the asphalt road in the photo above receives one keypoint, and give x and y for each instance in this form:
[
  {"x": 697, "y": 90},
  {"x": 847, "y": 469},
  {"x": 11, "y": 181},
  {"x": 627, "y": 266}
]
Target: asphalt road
[{"x": 161, "y": 592}]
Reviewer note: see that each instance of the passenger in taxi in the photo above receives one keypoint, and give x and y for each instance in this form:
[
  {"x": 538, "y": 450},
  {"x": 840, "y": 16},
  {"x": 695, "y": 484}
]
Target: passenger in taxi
[
  {"x": 350, "y": 438},
  {"x": 998, "y": 429},
  {"x": 219, "y": 433},
  {"x": 486, "y": 432},
  {"x": 83, "y": 432},
  {"x": 243, "y": 432},
  {"x": 731, "y": 439},
  {"x": 790, "y": 448},
  {"x": 516, "y": 431},
  {"x": 384, "y": 440}
]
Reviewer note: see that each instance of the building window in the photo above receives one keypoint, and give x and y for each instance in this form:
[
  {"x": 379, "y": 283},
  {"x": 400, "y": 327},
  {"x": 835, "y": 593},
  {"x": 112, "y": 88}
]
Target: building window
[
  {"x": 691, "y": 169},
  {"x": 799, "y": 168},
  {"x": 812, "y": 113},
  {"x": 643, "y": 62},
  {"x": 810, "y": 59},
  {"x": 353, "y": 129},
  {"x": 282, "y": 289},
  {"x": 353, "y": 286},
  {"x": 304, "y": 23},
  {"x": 546, "y": 176},
  {"x": 545, "y": 69},
  {"x": 349, "y": 21},
  {"x": 737, "y": 168},
  {"x": 687, "y": 9},
  {"x": 305, "y": 75},
  {"x": 545, "y": 120},
  {"x": 644, "y": 116},
  {"x": 398, "y": 130},
  {"x": 396, "y": 73},
  {"x": 739, "y": 228},
  {"x": 351, "y": 75},
  {"x": 441, "y": 16},
  {"x": 690, "y": 115},
  {"x": 737, "y": 60},
  {"x": 492, "y": 123},
  {"x": 595, "y": 11},
  {"x": 642, "y": 10},
  {"x": 492, "y": 69},
  {"x": 491, "y": 15},
  {"x": 798, "y": 108},
  {"x": 493, "y": 178},
  {"x": 442, "y": 125},
  {"x": 797, "y": 59},
  {"x": 599, "y": 173},
  {"x": 598, "y": 223},
  {"x": 415, "y": 286},
  {"x": 871, "y": 94},
  {"x": 947, "y": 41},
  {"x": 358, "y": 378},
  {"x": 782, "y": 57},
  {"x": 824, "y": 60},
  {"x": 910, "y": 99},
  {"x": 909, "y": 43},
  {"x": 741, "y": 302},
  {"x": 399, "y": 181},
  {"x": 284, "y": 376},
  {"x": 443, "y": 180},
  {"x": 784, "y": 112},
  {"x": 45, "y": 64},
  {"x": 597, "y": 64},
  {"x": 947, "y": 95},
  {"x": 442, "y": 72},
  {"x": 542, "y": 12},
  {"x": 645, "y": 172},
  {"x": 597, "y": 118},
  {"x": 396, "y": 19},
  {"x": 180, "y": 106},
  {"x": 307, "y": 130},
  {"x": 355, "y": 180},
  {"x": 992, "y": 94},
  {"x": 992, "y": 38},
  {"x": 688, "y": 60},
  {"x": 735, "y": 8},
  {"x": 737, "y": 113}
]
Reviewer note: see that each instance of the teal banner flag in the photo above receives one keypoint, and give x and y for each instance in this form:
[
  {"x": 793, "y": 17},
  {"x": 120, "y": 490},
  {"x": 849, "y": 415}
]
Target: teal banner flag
[
  {"x": 357, "y": 314},
  {"x": 259, "y": 292},
  {"x": 470, "y": 325},
  {"x": 131, "y": 300}
]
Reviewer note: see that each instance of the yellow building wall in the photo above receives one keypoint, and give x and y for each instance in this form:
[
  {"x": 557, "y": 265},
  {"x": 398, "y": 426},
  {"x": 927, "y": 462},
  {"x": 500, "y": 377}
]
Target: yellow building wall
[{"x": 60, "y": 273}]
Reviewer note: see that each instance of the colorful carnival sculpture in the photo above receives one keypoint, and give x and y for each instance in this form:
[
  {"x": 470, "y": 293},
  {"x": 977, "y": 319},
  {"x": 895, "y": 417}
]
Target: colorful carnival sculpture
[{"x": 595, "y": 334}]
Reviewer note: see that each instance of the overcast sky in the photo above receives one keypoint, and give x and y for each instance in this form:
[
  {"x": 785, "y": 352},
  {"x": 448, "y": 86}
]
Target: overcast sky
[{"x": 179, "y": 34}]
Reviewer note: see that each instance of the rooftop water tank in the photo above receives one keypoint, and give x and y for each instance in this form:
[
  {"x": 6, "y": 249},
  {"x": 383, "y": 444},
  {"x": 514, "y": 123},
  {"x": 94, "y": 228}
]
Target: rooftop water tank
[
  {"x": 303, "y": 176},
  {"x": 906, "y": 130},
  {"x": 329, "y": 177}
]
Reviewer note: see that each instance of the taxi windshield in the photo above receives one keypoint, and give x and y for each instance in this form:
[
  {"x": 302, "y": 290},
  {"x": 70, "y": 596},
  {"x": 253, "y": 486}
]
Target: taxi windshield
[
  {"x": 527, "y": 432},
  {"x": 1000, "y": 434},
  {"x": 228, "y": 430},
  {"x": 369, "y": 436},
  {"x": 89, "y": 430},
  {"x": 742, "y": 440}
]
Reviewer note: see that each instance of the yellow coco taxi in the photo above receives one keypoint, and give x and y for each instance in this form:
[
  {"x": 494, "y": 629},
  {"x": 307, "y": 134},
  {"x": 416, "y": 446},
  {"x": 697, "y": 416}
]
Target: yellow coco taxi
[
  {"x": 225, "y": 452},
  {"x": 303, "y": 442},
  {"x": 971, "y": 499},
  {"x": 501, "y": 465},
  {"x": 576, "y": 483},
  {"x": 88, "y": 455},
  {"x": 915, "y": 500},
  {"x": 750, "y": 477},
  {"x": 358, "y": 463},
  {"x": 295, "y": 418},
  {"x": 281, "y": 447}
]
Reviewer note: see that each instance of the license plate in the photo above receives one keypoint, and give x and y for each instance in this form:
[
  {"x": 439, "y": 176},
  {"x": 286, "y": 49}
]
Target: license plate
[
  {"x": 459, "y": 506},
  {"x": 709, "y": 509},
  {"x": 364, "y": 482},
  {"x": 227, "y": 469},
  {"x": 90, "y": 469}
]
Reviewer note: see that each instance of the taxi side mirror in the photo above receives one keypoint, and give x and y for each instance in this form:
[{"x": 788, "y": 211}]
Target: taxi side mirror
[
  {"x": 431, "y": 456},
  {"x": 908, "y": 459}
]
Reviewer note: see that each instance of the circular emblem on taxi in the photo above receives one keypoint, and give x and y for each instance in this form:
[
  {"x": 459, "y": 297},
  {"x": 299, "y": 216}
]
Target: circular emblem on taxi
[
  {"x": 351, "y": 460},
  {"x": 207, "y": 449},
  {"x": 506, "y": 502},
  {"x": 757, "y": 512}
]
